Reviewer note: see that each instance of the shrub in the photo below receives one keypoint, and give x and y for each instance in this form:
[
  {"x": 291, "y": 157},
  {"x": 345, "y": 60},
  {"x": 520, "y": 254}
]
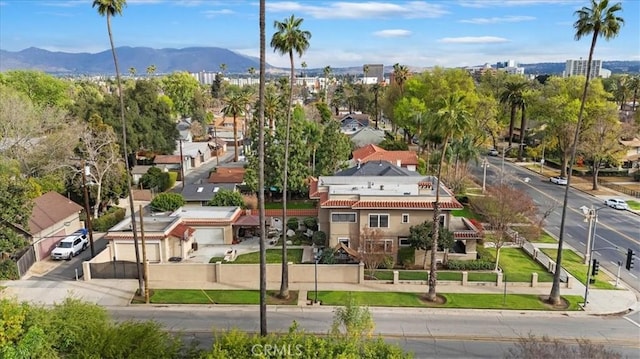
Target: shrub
[
  {"x": 173, "y": 177},
  {"x": 319, "y": 238},
  {"x": 311, "y": 223},
  {"x": 250, "y": 201},
  {"x": 167, "y": 201},
  {"x": 227, "y": 198},
  {"x": 292, "y": 223},
  {"x": 156, "y": 179},
  {"x": 471, "y": 265},
  {"x": 112, "y": 217},
  {"x": 406, "y": 256},
  {"x": 9, "y": 270}
]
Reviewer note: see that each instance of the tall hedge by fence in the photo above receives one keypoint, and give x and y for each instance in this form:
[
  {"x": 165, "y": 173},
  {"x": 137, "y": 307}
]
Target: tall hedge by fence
[{"x": 109, "y": 219}]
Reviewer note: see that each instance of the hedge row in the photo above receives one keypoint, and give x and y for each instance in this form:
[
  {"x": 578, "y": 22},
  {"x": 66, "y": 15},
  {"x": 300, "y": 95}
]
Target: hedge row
[
  {"x": 471, "y": 265},
  {"x": 109, "y": 219}
]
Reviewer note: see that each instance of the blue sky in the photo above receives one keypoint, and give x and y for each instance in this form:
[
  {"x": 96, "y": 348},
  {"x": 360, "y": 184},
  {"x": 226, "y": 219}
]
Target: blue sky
[{"x": 344, "y": 33}]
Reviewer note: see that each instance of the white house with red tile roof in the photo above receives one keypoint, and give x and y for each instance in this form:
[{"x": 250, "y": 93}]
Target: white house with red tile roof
[
  {"x": 349, "y": 204},
  {"x": 371, "y": 152},
  {"x": 632, "y": 156}
]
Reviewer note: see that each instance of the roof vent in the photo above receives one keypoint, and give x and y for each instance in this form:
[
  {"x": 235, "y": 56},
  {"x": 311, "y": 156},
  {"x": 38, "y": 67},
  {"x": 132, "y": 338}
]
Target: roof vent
[{"x": 381, "y": 187}]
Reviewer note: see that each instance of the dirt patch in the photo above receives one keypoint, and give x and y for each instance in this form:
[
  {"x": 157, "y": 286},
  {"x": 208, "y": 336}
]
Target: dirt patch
[
  {"x": 273, "y": 299},
  {"x": 440, "y": 301},
  {"x": 564, "y": 304}
]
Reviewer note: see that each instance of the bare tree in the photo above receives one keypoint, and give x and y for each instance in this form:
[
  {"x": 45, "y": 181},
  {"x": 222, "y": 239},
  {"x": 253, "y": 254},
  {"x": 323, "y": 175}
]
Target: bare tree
[
  {"x": 374, "y": 250},
  {"x": 503, "y": 206}
]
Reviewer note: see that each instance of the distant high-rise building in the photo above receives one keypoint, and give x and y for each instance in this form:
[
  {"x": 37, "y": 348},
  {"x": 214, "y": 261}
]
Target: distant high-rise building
[
  {"x": 510, "y": 67},
  {"x": 579, "y": 68},
  {"x": 375, "y": 70}
]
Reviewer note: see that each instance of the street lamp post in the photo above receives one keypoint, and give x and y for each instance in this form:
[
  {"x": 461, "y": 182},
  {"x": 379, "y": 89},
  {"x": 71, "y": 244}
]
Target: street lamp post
[
  {"x": 485, "y": 164},
  {"x": 316, "y": 257},
  {"x": 591, "y": 214}
]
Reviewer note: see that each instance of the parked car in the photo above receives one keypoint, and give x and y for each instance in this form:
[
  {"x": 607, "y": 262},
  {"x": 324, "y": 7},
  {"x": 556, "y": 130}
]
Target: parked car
[
  {"x": 493, "y": 152},
  {"x": 71, "y": 246},
  {"x": 559, "y": 180},
  {"x": 616, "y": 203}
]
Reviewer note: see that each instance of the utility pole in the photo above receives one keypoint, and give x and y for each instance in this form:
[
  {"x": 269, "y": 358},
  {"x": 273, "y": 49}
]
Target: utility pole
[
  {"x": 144, "y": 259},
  {"x": 485, "y": 164},
  {"x": 181, "y": 165},
  {"x": 87, "y": 211}
]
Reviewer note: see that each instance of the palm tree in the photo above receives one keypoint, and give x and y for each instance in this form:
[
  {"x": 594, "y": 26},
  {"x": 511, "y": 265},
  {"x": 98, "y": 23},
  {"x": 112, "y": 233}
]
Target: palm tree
[
  {"x": 223, "y": 68},
  {"x": 512, "y": 96},
  {"x": 252, "y": 71},
  {"x": 132, "y": 72},
  {"x": 523, "y": 128},
  {"x": 365, "y": 71},
  {"x": 601, "y": 21},
  {"x": 633, "y": 84},
  {"x": 111, "y": 8},
  {"x": 151, "y": 69},
  {"x": 327, "y": 74},
  {"x": 452, "y": 121},
  {"x": 235, "y": 105},
  {"x": 287, "y": 39},
  {"x": 304, "y": 68},
  {"x": 261, "y": 208},
  {"x": 400, "y": 76},
  {"x": 621, "y": 90}
]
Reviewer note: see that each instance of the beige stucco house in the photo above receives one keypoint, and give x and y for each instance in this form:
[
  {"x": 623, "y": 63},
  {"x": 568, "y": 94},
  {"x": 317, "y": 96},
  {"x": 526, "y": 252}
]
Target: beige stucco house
[{"x": 351, "y": 206}]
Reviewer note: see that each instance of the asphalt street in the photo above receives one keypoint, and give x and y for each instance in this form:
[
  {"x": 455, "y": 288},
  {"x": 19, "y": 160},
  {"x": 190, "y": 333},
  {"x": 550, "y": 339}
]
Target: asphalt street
[
  {"x": 452, "y": 333},
  {"x": 616, "y": 231}
]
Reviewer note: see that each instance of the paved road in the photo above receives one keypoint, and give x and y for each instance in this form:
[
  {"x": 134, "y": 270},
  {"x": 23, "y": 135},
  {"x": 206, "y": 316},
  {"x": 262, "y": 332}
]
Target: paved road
[
  {"x": 463, "y": 333},
  {"x": 616, "y": 230}
]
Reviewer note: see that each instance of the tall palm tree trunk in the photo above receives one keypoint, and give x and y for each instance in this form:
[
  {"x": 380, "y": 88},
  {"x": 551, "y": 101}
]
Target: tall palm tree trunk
[
  {"x": 431, "y": 295},
  {"x": 523, "y": 133},
  {"x": 554, "y": 296},
  {"x": 284, "y": 281},
  {"x": 235, "y": 139},
  {"x": 511, "y": 123},
  {"x": 261, "y": 207},
  {"x": 132, "y": 211}
]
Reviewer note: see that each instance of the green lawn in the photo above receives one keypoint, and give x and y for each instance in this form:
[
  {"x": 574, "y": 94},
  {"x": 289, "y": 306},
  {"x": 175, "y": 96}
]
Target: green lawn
[
  {"x": 301, "y": 204},
  {"x": 465, "y": 212},
  {"x": 481, "y": 277},
  {"x": 545, "y": 238},
  {"x": 573, "y": 264},
  {"x": 517, "y": 266},
  {"x": 634, "y": 205},
  {"x": 196, "y": 296},
  {"x": 273, "y": 256},
  {"x": 453, "y": 300}
]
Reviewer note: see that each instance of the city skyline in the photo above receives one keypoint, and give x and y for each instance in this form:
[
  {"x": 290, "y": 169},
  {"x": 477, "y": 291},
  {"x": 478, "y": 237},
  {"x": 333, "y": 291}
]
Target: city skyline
[{"x": 344, "y": 34}]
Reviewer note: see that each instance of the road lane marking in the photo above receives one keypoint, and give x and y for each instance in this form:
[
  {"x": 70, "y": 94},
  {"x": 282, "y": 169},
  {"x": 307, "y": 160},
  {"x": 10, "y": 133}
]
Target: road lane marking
[{"x": 632, "y": 322}]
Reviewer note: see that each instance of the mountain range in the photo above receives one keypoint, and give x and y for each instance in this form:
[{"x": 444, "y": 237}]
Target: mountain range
[{"x": 196, "y": 59}]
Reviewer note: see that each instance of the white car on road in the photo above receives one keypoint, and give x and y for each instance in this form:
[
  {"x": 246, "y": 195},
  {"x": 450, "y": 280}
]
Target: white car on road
[
  {"x": 616, "y": 203},
  {"x": 559, "y": 180},
  {"x": 71, "y": 245}
]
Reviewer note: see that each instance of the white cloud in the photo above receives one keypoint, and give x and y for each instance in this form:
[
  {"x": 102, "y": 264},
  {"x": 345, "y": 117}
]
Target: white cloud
[
  {"x": 508, "y": 3},
  {"x": 496, "y": 20},
  {"x": 392, "y": 33},
  {"x": 362, "y": 10},
  {"x": 473, "y": 40},
  {"x": 214, "y": 13}
]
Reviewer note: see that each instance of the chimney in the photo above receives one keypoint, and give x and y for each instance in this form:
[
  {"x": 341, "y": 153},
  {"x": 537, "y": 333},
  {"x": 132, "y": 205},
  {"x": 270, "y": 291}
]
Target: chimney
[
  {"x": 399, "y": 163},
  {"x": 359, "y": 163}
]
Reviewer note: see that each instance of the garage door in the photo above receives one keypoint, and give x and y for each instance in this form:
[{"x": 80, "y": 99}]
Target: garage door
[
  {"x": 209, "y": 236},
  {"x": 125, "y": 251}
]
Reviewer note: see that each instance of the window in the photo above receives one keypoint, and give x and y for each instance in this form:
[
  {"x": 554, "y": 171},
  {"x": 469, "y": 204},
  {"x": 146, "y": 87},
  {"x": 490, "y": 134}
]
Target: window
[
  {"x": 379, "y": 246},
  {"x": 343, "y": 217},
  {"x": 405, "y": 218},
  {"x": 442, "y": 221},
  {"x": 404, "y": 241},
  {"x": 379, "y": 221},
  {"x": 344, "y": 241}
]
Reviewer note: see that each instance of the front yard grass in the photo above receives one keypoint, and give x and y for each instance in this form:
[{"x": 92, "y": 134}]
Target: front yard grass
[
  {"x": 453, "y": 300},
  {"x": 634, "y": 205},
  {"x": 294, "y": 255},
  {"x": 545, "y": 238},
  {"x": 465, "y": 212},
  {"x": 518, "y": 266},
  {"x": 197, "y": 296},
  {"x": 573, "y": 264}
]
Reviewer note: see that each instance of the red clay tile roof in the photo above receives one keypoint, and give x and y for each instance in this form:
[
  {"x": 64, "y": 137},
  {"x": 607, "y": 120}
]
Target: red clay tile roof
[
  {"x": 372, "y": 152},
  {"x": 182, "y": 231},
  {"x": 166, "y": 159},
  {"x": 366, "y": 151},
  {"x": 405, "y": 204},
  {"x": 49, "y": 209},
  {"x": 227, "y": 175},
  {"x": 341, "y": 203}
]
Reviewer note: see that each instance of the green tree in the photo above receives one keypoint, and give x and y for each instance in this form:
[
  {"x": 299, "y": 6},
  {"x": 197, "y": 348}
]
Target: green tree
[
  {"x": 155, "y": 179},
  {"x": 227, "y": 198},
  {"x": 421, "y": 238},
  {"x": 16, "y": 202},
  {"x": 42, "y": 89},
  {"x": 633, "y": 84},
  {"x": 512, "y": 96},
  {"x": 313, "y": 136},
  {"x": 287, "y": 39},
  {"x": 453, "y": 120},
  {"x": 181, "y": 88},
  {"x": 600, "y": 20},
  {"x": 235, "y": 105},
  {"x": 167, "y": 201},
  {"x": 333, "y": 151}
]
